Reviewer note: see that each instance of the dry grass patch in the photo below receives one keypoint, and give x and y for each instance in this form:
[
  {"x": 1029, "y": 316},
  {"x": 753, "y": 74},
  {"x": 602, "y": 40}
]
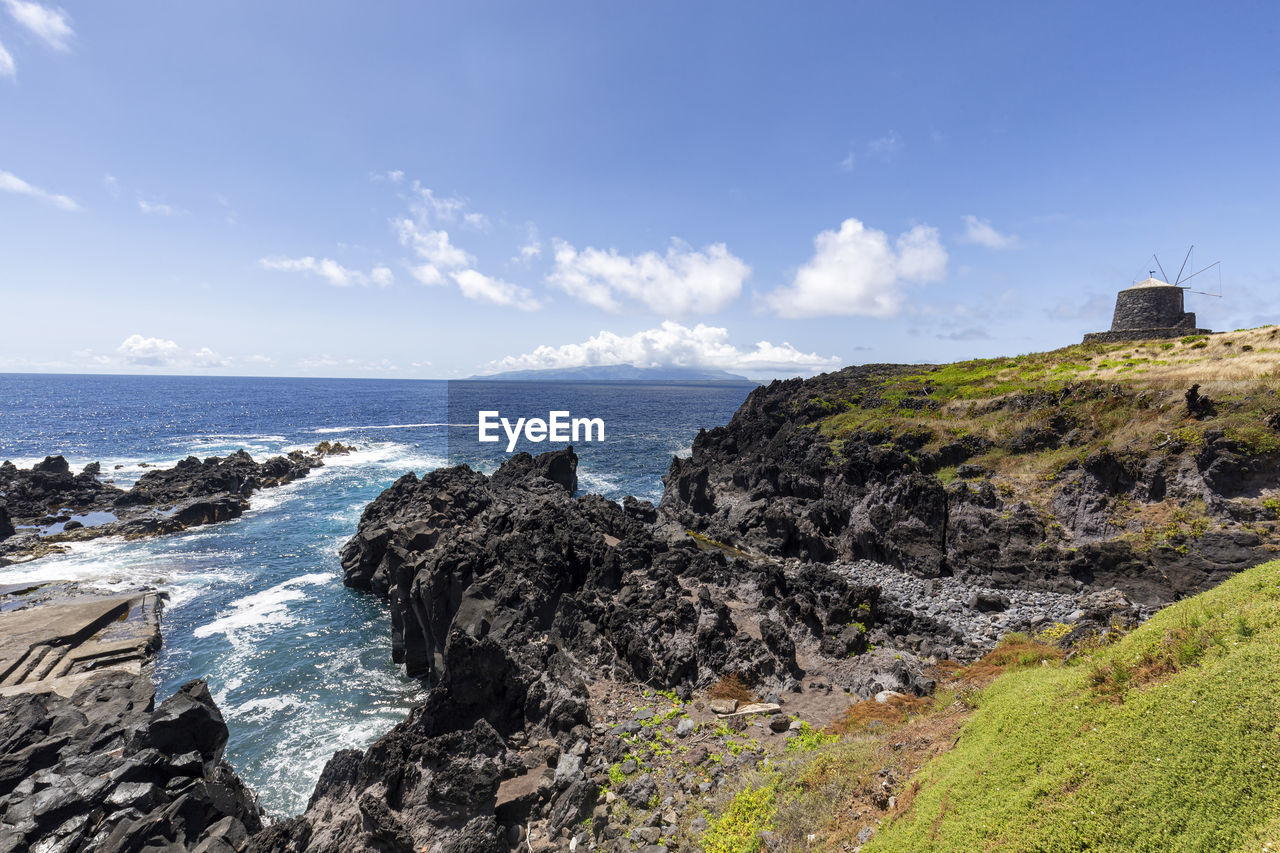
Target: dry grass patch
[
  {"x": 1015, "y": 651},
  {"x": 896, "y": 711},
  {"x": 860, "y": 781},
  {"x": 731, "y": 686}
]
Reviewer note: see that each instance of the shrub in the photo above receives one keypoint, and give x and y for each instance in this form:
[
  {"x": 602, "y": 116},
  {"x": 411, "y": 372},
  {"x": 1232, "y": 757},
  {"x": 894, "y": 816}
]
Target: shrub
[
  {"x": 738, "y": 829},
  {"x": 808, "y": 739}
]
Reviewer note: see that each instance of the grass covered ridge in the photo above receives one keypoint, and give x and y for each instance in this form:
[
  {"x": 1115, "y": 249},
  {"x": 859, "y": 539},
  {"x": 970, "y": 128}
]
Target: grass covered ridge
[
  {"x": 1030, "y": 419},
  {"x": 1165, "y": 740}
]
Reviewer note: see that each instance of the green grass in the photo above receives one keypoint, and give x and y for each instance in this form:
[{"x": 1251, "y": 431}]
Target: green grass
[
  {"x": 738, "y": 828},
  {"x": 1168, "y": 740},
  {"x": 1029, "y": 418},
  {"x": 808, "y": 739}
]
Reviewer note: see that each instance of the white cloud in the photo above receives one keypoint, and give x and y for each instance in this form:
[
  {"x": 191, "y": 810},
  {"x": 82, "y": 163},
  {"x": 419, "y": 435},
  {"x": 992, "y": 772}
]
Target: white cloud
[
  {"x": 157, "y": 208},
  {"x": 670, "y": 345},
  {"x": 7, "y": 66},
  {"x": 433, "y": 246},
  {"x": 532, "y": 247},
  {"x": 442, "y": 261},
  {"x": 850, "y": 160},
  {"x": 205, "y": 357},
  {"x": 482, "y": 288},
  {"x": 980, "y": 233},
  {"x": 856, "y": 270},
  {"x": 478, "y": 221},
  {"x": 154, "y": 352},
  {"x": 681, "y": 282},
  {"x": 331, "y": 271},
  {"x": 11, "y": 183},
  {"x": 329, "y": 362},
  {"x": 885, "y": 146},
  {"x": 46, "y": 23},
  {"x": 112, "y": 183},
  {"x": 428, "y": 207}
]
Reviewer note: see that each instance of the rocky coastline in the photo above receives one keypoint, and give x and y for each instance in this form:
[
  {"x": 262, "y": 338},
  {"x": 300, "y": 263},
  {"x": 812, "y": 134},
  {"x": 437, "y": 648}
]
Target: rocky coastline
[
  {"x": 776, "y": 482},
  {"x": 599, "y": 670},
  {"x": 44, "y": 507}
]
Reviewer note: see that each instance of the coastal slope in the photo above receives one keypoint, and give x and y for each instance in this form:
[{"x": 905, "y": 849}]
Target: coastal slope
[{"x": 1150, "y": 468}]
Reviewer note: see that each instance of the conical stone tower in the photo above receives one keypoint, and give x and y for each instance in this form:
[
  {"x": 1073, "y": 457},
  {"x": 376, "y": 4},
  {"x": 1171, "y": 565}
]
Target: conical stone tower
[{"x": 1150, "y": 309}]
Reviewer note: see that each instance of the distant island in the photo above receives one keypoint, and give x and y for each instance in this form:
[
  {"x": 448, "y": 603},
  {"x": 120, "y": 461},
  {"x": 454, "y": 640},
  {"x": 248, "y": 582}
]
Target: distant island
[{"x": 614, "y": 372}]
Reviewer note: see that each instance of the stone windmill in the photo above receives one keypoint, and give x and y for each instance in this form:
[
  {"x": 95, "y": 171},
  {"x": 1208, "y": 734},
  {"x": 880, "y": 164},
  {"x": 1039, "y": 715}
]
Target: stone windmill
[{"x": 1154, "y": 308}]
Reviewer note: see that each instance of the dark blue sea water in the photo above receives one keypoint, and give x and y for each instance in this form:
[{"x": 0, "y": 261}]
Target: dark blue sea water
[{"x": 299, "y": 664}]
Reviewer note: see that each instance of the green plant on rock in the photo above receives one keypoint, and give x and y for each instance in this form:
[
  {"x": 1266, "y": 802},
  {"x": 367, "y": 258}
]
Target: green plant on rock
[
  {"x": 616, "y": 777},
  {"x": 1053, "y": 634},
  {"x": 739, "y": 828},
  {"x": 807, "y": 739}
]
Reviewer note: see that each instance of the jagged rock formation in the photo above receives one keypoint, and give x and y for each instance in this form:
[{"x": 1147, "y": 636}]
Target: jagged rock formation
[
  {"x": 775, "y": 481},
  {"x": 511, "y": 595},
  {"x": 829, "y": 516},
  {"x": 87, "y": 760},
  {"x": 47, "y": 497},
  {"x": 107, "y": 770}
]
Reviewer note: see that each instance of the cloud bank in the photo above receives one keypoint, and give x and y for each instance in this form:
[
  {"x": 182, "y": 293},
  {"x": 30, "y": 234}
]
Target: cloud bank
[
  {"x": 139, "y": 351},
  {"x": 670, "y": 345}
]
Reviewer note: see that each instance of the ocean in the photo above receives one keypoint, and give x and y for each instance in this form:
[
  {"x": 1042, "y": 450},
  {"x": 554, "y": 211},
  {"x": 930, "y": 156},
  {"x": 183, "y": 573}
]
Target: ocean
[{"x": 299, "y": 664}]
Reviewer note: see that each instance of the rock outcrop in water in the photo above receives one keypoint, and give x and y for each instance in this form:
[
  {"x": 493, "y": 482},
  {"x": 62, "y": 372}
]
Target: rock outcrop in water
[
  {"x": 516, "y": 598},
  {"x": 46, "y": 498}
]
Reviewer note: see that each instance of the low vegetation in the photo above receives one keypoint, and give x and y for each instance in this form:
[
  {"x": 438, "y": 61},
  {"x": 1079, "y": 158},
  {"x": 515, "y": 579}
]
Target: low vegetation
[
  {"x": 1164, "y": 739},
  {"x": 1027, "y": 420},
  {"x": 731, "y": 686}
]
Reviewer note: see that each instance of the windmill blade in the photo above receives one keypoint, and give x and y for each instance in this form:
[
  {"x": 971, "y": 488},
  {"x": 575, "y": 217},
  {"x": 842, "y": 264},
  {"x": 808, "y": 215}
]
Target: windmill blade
[
  {"x": 1178, "y": 280},
  {"x": 1162, "y": 272},
  {"x": 1206, "y": 269}
]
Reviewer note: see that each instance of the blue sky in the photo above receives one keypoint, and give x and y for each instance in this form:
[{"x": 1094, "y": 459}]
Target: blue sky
[{"x": 440, "y": 189}]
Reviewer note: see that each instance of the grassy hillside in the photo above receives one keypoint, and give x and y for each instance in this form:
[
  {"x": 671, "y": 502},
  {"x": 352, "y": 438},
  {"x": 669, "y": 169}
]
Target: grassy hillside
[
  {"x": 1026, "y": 420},
  {"x": 1166, "y": 739},
  {"x": 1118, "y": 396}
]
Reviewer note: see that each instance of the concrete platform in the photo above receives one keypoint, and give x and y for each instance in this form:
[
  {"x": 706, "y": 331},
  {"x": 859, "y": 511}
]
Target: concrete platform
[{"x": 53, "y": 643}]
